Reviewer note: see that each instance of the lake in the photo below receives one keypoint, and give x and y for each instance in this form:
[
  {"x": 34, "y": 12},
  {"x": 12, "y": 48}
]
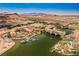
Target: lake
[{"x": 39, "y": 47}]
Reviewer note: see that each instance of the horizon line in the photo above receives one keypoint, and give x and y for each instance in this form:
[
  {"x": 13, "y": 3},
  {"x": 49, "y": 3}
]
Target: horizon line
[{"x": 38, "y": 13}]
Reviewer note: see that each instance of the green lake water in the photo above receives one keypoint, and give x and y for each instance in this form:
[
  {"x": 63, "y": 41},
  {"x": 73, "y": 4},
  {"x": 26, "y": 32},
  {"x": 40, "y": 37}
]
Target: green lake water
[
  {"x": 68, "y": 31},
  {"x": 40, "y": 47}
]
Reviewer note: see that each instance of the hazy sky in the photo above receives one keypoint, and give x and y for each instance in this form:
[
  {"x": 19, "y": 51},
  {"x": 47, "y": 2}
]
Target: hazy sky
[{"x": 51, "y": 8}]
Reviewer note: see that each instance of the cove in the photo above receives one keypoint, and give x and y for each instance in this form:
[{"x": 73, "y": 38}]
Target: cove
[{"x": 40, "y": 47}]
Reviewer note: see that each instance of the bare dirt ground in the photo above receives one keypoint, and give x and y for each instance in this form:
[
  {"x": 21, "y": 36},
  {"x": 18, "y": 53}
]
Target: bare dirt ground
[{"x": 30, "y": 22}]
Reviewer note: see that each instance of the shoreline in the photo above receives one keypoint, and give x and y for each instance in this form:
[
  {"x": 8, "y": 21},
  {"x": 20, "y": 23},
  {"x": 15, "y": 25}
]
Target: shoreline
[{"x": 8, "y": 47}]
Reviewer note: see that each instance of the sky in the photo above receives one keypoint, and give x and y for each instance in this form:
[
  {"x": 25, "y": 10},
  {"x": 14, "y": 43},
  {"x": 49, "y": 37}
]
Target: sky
[{"x": 49, "y": 8}]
